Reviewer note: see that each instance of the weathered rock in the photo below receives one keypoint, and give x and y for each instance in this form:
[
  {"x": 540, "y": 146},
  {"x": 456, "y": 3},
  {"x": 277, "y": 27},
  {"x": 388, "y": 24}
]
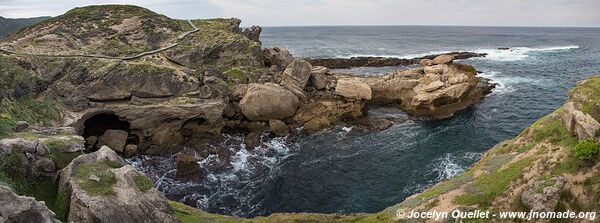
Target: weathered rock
[
  {"x": 340, "y": 63},
  {"x": 578, "y": 123},
  {"x": 187, "y": 167},
  {"x": 295, "y": 77},
  {"x": 115, "y": 139},
  {"x": 91, "y": 141},
  {"x": 425, "y": 62},
  {"x": 17, "y": 209},
  {"x": 129, "y": 202},
  {"x": 278, "y": 57},
  {"x": 31, "y": 158},
  {"x": 252, "y": 140},
  {"x": 21, "y": 126},
  {"x": 433, "y": 86},
  {"x": 218, "y": 85},
  {"x": 130, "y": 150},
  {"x": 354, "y": 88},
  {"x": 278, "y": 127},
  {"x": 320, "y": 79},
  {"x": 95, "y": 178},
  {"x": 263, "y": 102},
  {"x": 443, "y": 59},
  {"x": 323, "y": 114},
  {"x": 253, "y": 33},
  {"x": 544, "y": 195}
]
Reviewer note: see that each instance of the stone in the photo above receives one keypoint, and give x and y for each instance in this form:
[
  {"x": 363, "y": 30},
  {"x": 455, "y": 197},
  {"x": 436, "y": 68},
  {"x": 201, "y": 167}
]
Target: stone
[
  {"x": 252, "y": 140},
  {"x": 578, "y": 123},
  {"x": 319, "y": 70},
  {"x": 128, "y": 203},
  {"x": 425, "y": 62},
  {"x": 295, "y": 76},
  {"x": 354, "y": 88},
  {"x": 543, "y": 195},
  {"x": 263, "y": 102},
  {"x": 443, "y": 59},
  {"x": 95, "y": 178},
  {"x": 130, "y": 150},
  {"x": 319, "y": 78},
  {"x": 435, "y": 69},
  {"x": 91, "y": 141},
  {"x": 115, "y": 139},
  {"x": 187, "y": 167},
  {"x": 278, "y": 127},
  {"x": 15, "y": 208},
  {"x": 253, "y": 33},
  {"x": 433, "y": 86},
  {"x": 278, "y": 57},
  {"x": 324, "y": 114},
  {"x": 21, "y": 126}
]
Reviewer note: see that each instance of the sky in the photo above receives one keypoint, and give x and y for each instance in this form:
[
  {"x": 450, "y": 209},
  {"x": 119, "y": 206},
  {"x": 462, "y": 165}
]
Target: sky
[{"x": 568, "y": 13}]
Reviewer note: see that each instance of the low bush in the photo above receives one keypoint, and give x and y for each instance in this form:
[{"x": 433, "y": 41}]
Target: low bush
[{"x": 586, "y": 150}]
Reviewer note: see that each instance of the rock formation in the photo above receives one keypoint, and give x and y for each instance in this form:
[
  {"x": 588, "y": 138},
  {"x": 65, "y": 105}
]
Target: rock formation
[
  {"x": 340, "y": 63},
  {"x": 15, "y": 208}
]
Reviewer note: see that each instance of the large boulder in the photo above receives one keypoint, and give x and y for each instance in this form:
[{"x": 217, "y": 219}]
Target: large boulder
[
  {"x": 443, "y": 59},
  {"x": 17, "y": 209},
  {"x": 112, "y": 192},
  {"x": 278, "y": 57},
  {"x": 187, "y": 167},
  {"x": 578, "y": 123},
  {"x": 353, "y": 88},
  {"x": 323, "y": 114},
  {"x": 296, "y": 75},
  {"x": 113, "y": 138},
  {"x": 543, "y": 195},
  {"x": 263, "y": 102}
]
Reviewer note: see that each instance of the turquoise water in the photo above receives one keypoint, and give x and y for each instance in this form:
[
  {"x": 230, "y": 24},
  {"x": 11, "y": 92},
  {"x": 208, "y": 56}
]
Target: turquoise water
[{"x": 340, "y": 172}]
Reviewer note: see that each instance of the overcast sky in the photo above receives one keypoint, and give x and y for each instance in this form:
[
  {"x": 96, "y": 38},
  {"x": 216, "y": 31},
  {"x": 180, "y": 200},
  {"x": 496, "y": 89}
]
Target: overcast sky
[{"x": 348, "y": 12}]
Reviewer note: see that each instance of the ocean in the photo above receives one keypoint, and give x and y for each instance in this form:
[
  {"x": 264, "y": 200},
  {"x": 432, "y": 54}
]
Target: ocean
[{"x": 336, "y": 171}]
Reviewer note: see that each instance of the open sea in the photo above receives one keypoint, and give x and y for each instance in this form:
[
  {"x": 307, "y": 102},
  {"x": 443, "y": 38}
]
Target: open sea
[{"x": 336, "y": 171}]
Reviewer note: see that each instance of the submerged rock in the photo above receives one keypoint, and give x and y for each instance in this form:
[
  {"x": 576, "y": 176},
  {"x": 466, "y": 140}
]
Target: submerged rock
[{"x": 187, "y": 167}]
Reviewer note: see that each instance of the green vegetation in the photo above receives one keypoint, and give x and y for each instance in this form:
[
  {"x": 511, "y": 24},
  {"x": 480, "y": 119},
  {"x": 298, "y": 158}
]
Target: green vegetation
[
  {"x": 60, "y": 158},
  {"x": 102, "y": 170},
  {"x": 488, "y": 186},
  {"x": 143, "y": 183},
  {"x": 552, "y": 130},
  {"x": 586, "y": 150},
  {"x": 44, "y": 111}
]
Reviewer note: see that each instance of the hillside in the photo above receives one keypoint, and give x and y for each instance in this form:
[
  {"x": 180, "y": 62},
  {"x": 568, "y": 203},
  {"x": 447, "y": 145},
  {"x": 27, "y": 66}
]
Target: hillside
[{"x": 8, "y": 25}]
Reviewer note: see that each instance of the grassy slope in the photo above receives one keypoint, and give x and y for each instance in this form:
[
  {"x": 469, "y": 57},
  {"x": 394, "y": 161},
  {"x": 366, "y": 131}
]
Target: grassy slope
[{"x": 8, "y": 26}]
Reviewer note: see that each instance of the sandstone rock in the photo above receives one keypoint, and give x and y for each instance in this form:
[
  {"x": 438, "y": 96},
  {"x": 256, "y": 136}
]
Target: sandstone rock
[
  {"x": 129, "y": 202},
  {"x": 433, "y": 86},
  {"x": 354, "y": 88},
  {"x": 443, "y": 59},
  {"x": 239, "y": 91},
  {"x": 544, "y": 195},
  {"x": 425, "y": 62},
  {"x": 188, "y": 167},
  {"x": 31, "y": 157},
  {"x": 115, "y": 139},
  {"x": 21, "y": 126},
  {"x": 578, "y": 123},
  {"x": 15, "y": 208},
  {"x": 435, "y": 69},
  {"x": 95, "y": 178},
  {"x": 252, "y": 140},
  {"x": 263, "y": 102},
  {"x": 323, "y": 114},
  {"x": 319, "y": 70},
  {"x": 253, "y": 33},
  {"x": 278, "y": 127},
  {"x": 319, "y": 78},
  {"x": 278, "y": 57},
  {"x": 296, "y": 75}
]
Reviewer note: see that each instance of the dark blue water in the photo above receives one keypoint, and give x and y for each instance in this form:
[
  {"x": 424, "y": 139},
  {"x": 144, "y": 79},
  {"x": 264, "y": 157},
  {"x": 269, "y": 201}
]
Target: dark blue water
[{"x": 338, "y": 172}]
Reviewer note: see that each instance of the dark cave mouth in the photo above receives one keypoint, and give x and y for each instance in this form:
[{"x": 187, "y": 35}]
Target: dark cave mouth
[{"x": 95, "y": 127}]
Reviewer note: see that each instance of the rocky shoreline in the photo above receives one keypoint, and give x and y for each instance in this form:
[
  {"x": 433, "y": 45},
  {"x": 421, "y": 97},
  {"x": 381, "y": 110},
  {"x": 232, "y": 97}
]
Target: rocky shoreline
[
  {"x": 215, "y": 80},
  {"x": 342, "y": 63}
]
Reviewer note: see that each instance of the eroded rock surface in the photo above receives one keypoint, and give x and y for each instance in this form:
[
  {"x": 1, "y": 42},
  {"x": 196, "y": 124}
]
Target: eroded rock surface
[{"x": 17, "y": 209}]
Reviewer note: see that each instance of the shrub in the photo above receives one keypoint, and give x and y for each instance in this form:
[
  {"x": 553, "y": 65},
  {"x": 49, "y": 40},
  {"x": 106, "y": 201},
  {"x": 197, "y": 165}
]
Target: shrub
[{"x": 586, "y": 150}]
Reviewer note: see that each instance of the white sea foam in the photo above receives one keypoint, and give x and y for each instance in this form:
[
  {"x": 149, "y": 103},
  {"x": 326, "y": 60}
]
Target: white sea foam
[
  {"x": 512, "y": 54},
  {"x": 449, "y": 165},
  {"x": 518, "y": 53}
]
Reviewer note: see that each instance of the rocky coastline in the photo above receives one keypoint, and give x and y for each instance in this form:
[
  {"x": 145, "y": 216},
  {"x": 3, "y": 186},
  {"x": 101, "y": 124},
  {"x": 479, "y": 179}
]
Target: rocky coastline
[
  {"x": 85, "y": 113},
  {"x": 343, "y": 63}
]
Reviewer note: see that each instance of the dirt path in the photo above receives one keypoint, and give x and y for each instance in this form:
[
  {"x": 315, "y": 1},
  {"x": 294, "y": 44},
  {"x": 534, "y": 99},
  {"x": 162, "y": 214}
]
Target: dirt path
[{"x": 179, "y": 38}]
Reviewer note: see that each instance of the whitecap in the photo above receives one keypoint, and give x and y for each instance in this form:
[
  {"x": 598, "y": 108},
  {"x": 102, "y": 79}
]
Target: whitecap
[{"x": 518, "y": 53}]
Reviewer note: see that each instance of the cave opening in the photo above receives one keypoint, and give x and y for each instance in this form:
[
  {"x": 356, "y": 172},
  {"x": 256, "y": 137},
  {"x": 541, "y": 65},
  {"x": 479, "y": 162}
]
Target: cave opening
[{"x": 96, "y": 126}]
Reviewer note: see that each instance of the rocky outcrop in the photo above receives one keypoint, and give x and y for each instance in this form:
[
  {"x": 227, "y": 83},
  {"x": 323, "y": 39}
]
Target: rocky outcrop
[
  {"x": 340, "y": 63},
  {"x": 278, "y": 57},
  {"x": 253, "y": 33},
  {"x": 543, "y": 195},
  {"x": 114, "y": 192},
  {"x": 295, "y": 76},
  {"x": 578, "y": 123},
  {"x": 187, "y": 167},
  {"x": 353, "y": 88},
  {"x": 323, "y": 114},
  {"x": 263, "y": 102},
  {"x": 17, "y": 209}
]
